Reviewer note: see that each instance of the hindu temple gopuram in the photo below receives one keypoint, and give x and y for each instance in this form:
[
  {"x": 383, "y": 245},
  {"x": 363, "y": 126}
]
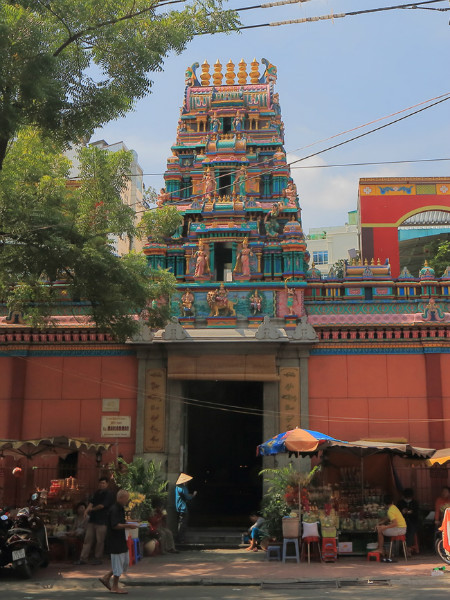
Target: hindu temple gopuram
[
  {"x": 241, "y": 242},
  {"x": 259, "y": 341}
]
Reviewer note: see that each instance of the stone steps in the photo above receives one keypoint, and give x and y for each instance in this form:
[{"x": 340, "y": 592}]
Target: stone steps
[{"x": 212, "y": 538}]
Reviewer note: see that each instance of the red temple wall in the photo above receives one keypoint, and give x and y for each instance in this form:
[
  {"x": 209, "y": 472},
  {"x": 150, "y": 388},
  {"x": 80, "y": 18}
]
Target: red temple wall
[
  {"x": 371, "y": 396},
  {"x": 50, "y": 396}
]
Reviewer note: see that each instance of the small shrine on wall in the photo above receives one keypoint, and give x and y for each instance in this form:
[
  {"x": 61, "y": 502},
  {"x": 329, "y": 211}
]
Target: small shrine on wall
[{"x": 240, "y": 252}]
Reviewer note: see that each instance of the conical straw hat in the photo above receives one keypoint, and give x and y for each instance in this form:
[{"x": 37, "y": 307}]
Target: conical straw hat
[{"x": 183, "y": 478}]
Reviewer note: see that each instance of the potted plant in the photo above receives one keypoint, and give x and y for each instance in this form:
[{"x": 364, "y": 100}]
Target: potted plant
[{"x": 283, "y": 497}]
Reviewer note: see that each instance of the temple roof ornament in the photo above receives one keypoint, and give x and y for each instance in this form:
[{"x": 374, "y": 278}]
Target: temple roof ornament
[
  {"x": 405, "y": 274},
  {"x": 313, "y": 273},
  {"x": 305, "y": 331},
  {"x": 427, "y": 272},
  {"x": 268, "y": 331},
  {"x": 174, "y": 331}
]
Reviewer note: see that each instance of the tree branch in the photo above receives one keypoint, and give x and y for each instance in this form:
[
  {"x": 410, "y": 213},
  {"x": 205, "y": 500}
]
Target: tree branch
[{"x": 131, "y": 15}]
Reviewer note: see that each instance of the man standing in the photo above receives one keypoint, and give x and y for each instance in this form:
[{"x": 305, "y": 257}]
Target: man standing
[
  {"x": 117, "y": 543},
  {"x": 97, "y": 511},
  {"x": 182, "y": 497}
]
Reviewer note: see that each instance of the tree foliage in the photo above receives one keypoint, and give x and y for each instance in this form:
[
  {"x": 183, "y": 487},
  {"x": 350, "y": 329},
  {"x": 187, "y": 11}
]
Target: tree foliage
[
  {"x": 52, "y": 232},
  {"x": 160, "y": 223},
  {"x": 70, "y": 66},
  {"x": 440, "y": 256}
]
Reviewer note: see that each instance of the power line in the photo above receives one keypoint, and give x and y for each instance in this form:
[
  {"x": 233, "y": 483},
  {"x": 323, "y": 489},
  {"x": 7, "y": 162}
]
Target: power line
[
  {"x": 362, "y": 164},
  {"x": 231, "y": 408},
  {"x": 274, "y": 169},
  {"x": 333, "y": 16}
]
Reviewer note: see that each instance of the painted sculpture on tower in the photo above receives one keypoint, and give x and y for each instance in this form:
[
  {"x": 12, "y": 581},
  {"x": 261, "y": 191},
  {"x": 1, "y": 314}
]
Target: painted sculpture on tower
[
  {"x": 243, "y": 260},
  {"x": 201, "y": 261},
  {"x": 209, "y": 184},
  {"x": 255, "y": 303},
  {"x": 239, "y": 183},
  {"x": 219, "y": 302},
  {"x": 187, "y": 304}
]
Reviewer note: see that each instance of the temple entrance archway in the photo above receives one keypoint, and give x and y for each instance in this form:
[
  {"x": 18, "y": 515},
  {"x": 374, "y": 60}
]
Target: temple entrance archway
[{"x": 224, "y": 424}]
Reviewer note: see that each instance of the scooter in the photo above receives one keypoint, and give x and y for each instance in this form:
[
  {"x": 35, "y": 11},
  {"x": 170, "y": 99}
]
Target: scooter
[
  {"x": 442, "y": 544},
  {"x": 25, "y": 545}
]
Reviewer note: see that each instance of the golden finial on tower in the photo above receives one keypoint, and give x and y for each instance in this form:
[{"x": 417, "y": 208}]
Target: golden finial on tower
[
  {"x": 205, "y": 76},
  {"x": 229, "y": 75},
  {"x": 217, "y": 75},
  {"x": 254, "y": 71},
  {"x": 372, "y": 262},
  {"x": 242, "y": 73}
]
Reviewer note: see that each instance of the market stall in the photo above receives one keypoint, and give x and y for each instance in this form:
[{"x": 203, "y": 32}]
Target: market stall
[
  {"x": 346, "y": 495},
  {"x": 355, "y": 478}
]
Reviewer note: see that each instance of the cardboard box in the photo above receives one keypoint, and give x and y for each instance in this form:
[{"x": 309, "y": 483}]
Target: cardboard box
[{"x": 345, "y": 547}]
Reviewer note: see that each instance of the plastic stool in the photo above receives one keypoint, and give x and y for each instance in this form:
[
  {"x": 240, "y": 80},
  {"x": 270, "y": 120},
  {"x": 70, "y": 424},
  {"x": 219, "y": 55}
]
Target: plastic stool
[
  {"x": 398, "y": 538},
  {"x": 374, "y": 554},
  {"x": 307, "y": 541},
  {"x": 130, "y": 545},
  {"x": 295, "y": 556},
  {"x": 137, "y": 550},
  {"x": 273, "y": 553}
]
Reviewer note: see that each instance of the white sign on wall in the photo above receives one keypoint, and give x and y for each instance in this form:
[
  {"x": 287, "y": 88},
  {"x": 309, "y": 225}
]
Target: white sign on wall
[
  {"x": 110, "y": 404},
  {"x": 116, "y": 427}
]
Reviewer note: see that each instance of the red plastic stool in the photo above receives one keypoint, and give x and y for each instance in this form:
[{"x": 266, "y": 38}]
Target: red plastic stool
[
  {"x": 398, "y": 538},
  {"x": 374, "y": 554},
  {"x": 130, "y": 544},
  {"x": 306, "y": 545}
]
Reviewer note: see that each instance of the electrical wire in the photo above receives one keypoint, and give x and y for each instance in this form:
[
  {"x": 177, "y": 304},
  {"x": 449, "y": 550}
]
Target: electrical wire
[
  {"x": 442, "y": 98},
  {"x": 232, "y": 408},
  {"x": 333, "y": 16}
]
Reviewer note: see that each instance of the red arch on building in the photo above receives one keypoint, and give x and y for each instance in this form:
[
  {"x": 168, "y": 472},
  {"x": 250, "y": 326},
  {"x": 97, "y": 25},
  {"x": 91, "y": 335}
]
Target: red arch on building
[{"x": 385, "y": 203}]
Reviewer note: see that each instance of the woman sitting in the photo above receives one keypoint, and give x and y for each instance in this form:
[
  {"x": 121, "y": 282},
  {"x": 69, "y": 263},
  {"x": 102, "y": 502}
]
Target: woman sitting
[{"x": 158, "y": 526}]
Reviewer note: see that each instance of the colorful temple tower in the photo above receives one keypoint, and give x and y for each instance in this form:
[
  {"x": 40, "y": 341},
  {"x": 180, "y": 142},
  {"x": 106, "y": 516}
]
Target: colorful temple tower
[{"x": 229, "y": 178}]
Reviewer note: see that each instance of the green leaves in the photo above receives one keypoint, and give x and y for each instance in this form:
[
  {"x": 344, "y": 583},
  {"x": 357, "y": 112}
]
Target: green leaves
[
  {"x": 69, "y": 66},
  {"x": 52, "y": 232},
  {"x": 160, "y": 223}
]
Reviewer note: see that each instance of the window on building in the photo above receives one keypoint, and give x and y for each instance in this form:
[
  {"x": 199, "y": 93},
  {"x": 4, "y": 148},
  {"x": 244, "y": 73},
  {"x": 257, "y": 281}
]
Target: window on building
[{"x": 320, "y": 257}]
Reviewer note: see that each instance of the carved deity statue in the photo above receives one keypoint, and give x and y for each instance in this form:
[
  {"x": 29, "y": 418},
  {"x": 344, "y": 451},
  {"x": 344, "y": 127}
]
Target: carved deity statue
[
  {"x": 162, "y": 197},
  {"x": 214, "y": 125},
  {"x": 201, "y": 261},
  {"x": 255, "y": 303},
  {"x": 209, "y": 184},
  {"x": 187, "y": 304},
  {"x": 271, "y": 220},
  {"x": 243, "y": 259},
  {"x": 240, "y": 180},
  {"x": 237, "y": 122},
  {"x": 291, "y": 296},
  {"x": 290, "y": 193}
]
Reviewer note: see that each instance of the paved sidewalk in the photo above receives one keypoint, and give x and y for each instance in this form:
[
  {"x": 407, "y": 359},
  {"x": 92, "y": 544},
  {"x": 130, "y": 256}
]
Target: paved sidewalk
[{"x": 226, "y": 567}]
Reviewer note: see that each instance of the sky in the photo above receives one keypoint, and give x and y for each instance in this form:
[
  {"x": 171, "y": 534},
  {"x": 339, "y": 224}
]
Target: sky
[{"x": 333, "y": 76}]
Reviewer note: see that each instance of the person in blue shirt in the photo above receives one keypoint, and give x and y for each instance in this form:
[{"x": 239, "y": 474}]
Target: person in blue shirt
[{"x": 182, "y": 497}]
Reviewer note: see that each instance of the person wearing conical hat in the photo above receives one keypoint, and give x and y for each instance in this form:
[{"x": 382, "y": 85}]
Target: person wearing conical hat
[{"x": 182, "y": 497}]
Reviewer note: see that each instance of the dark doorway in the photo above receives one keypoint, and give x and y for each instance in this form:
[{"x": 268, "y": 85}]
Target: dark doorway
[
  {"x": 227, "y": 121},
  {"x": 68, "y": 466},
  {"x": 224, "y": 183},
  {"x": 223, "y": 261},
  {"x": 224, "y": 426}
]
